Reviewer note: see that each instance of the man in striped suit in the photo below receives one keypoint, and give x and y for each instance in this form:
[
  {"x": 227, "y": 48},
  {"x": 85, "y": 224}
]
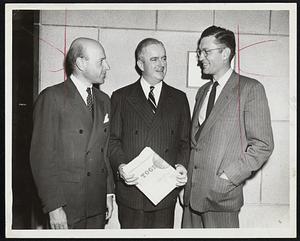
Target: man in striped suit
[
  {"x": 148, "y": 113},
  {"x": 231, "y": 136}
]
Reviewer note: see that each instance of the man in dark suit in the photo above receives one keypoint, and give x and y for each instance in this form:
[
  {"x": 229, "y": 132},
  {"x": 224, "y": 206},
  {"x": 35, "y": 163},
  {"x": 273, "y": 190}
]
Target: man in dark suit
[
  {"x": 69, "y": 142},
  {"x": 148, "y": 113},
  {"x": 231, "y": 136}
]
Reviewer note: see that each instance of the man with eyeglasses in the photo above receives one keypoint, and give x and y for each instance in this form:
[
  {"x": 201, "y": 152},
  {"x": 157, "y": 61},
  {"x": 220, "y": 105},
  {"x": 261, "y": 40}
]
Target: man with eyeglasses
[{"x": 231, "y": 136}]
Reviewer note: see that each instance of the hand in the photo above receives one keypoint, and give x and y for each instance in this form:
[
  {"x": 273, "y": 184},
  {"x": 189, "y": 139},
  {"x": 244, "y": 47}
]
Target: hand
[
  {"x": 180, "y": 196},
  {"x": 129, "y": 179},
  {"x": 181, "y": 176},
  {"x": 58, "y": 219},
  {"x": 223, "y": 176},
  {"x": 109, "y": 206}
]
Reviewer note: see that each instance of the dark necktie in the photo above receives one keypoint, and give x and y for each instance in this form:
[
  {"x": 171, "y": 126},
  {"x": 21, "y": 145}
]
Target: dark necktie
[
  {"x": 210, "y": 105},
  {"x": 151, "y": 99},
  {"x": 89, "y": 101}
]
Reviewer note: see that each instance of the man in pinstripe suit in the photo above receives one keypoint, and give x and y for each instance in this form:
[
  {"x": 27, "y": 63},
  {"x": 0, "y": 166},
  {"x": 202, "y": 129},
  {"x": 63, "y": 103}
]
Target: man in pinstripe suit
[
  {"x": 148, "y": 113},
  {"x": 231, "y": 136}
]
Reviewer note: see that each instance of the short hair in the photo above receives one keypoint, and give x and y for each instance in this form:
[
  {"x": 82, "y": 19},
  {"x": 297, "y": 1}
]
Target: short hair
[
  {"x": 143, "y": 44},
  {"x": 139, "y": 50},
  {"x": 223, "y": 36},
  {"x": 76, "y": 50}
]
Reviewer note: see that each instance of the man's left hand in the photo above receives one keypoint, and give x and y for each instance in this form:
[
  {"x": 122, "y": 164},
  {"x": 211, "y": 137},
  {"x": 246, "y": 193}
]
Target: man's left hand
[
  {"x": 109, "y": 206},
  {"x": 181, "y": 176}
]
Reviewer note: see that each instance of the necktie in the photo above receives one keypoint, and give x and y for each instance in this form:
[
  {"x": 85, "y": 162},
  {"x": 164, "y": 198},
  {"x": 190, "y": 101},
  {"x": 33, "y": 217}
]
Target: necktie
[
  {"x": 151, "y": 99},
  {"x": 89, "y": 100},
  {"x": 210, "y": 105},
  {"x": 211, "y": 99}
]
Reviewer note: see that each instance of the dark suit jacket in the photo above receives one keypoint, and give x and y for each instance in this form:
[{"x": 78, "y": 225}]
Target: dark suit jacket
[
  {"x": 236, "y": 138},
  {"x": 68, "y": 151},
  {"x": 134, "y": 126}
]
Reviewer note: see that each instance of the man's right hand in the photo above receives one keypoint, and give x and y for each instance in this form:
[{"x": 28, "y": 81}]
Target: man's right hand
[
  {"x": 129, "y": 179},
  {"x": 58, "y": 219}
]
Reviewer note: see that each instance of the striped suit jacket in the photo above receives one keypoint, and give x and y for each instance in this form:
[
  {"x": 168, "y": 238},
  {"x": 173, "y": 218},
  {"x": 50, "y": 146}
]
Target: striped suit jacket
[
  {"x": 236, "y": 139},
  {"x": 68, "y": 153},
  {"x": 134, "y": 126}
]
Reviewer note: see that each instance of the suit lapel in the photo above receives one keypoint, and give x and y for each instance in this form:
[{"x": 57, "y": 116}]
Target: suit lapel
[
  {"x": 226, "y": 95},
  {"x": 197, "y": 108},
  {"x": 139, "y": 102},
  {"x": 164, "y": 105},
  {"x": 98, "y": 118},
  {"x": 77, "y": 105}
]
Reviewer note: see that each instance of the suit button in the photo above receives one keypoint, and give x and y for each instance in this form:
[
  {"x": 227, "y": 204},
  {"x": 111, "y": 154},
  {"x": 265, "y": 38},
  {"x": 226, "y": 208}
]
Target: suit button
[
  {"x": 80, "y": 131},
  {"x": 101, "y": 149},
  {"x": 195, "y": 167},
  {"x": 88, "y": 152},
  {"x": 172, "y": 132},
  {"x": 88, "y": 174},
  {"x": 166, "y": 150},
  {"x": 136, "y": 132},
  {"x": 104, "y": 129}
]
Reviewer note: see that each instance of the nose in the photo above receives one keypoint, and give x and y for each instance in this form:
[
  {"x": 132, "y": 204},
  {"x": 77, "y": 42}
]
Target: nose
[
  {"x": 106, "y": 65},
  {"x": 201, "y": 56},
  {"x": 162, "y": 63}
]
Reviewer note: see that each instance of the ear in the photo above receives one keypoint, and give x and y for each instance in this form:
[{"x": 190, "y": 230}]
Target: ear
[
  {"x": 140, "y": 64},
  {"x": 226, "y": 53},
  {"x": 80, "y": 63}
]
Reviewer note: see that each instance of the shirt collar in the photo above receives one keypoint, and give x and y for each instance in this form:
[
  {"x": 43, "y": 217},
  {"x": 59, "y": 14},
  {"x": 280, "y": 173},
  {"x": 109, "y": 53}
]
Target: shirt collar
[
  {"x": 147, "y": 85},
  {"x": 223, "y": 80},
  {"x": 80, "y": 85},
  {"x": 146, "y": 88}
]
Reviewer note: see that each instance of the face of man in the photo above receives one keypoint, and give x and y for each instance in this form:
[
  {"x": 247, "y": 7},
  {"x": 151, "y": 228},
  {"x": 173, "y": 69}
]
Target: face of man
[
  {"x": 212, "y": 57},
  {"x": 96, "y": 64},
  {"x": 153, "y": 63}
]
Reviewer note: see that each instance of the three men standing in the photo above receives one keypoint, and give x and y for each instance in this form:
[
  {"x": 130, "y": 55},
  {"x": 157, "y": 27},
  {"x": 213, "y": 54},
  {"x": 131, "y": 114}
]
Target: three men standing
[
  {"x": 148, "y": 113},
  {"x": 231, "y": 136}
]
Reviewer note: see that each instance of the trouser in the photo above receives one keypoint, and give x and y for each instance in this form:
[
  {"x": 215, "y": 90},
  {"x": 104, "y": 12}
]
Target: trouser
[
  {"x": 194, "y": 219},
  {"x": 94, "y": 222},
  {"x": 133, "y": 218}
]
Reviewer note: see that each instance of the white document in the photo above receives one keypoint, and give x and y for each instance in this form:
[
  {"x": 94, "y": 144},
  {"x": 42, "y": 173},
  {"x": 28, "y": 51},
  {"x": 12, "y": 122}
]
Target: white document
[{"x": 157, "y": 178}]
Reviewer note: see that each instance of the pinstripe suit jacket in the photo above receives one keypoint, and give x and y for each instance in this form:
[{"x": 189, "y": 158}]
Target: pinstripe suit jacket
[
  {"x": 68, "y": 152},
  {"x": 134, "y": 126},
  {"x": 236, "y": 138}
]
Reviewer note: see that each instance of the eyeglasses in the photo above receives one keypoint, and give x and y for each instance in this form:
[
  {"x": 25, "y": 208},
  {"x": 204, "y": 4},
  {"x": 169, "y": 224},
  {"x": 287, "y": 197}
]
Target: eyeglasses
[{"x": 206, "y": 51}]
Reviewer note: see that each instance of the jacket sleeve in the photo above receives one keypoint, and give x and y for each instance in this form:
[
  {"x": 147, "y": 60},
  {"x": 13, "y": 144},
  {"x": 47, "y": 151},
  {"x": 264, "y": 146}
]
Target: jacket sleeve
[
  {"x": 43, "y": 158},
  {"x": 259, "y": 137},
  {"x": 110, "y": 181},
  {"x": 184, "y": 134},
  {"x": 115, "y": 151}
]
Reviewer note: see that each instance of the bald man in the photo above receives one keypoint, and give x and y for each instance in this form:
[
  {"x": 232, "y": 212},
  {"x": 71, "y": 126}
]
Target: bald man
[{"x": 69, "y": 143}]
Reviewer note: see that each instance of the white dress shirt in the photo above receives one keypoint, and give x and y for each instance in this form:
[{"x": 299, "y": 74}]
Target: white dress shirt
[
  {"x": 156, "y": 91},
  {"x": 81, "y": 87},
  {"x": 222, "y": 81}
]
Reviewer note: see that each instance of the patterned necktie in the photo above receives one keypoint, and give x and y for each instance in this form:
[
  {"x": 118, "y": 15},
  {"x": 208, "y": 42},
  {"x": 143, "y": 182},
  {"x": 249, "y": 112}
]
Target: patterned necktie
[
  {"x": 210, "y": 105},
  {"x": 151, "y": 99},
  {"x": 89, "y": 100}
]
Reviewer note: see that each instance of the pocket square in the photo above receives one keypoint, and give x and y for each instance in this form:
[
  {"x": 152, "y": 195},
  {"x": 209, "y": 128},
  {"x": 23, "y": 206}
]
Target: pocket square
[{"x": 106, "y": 119}]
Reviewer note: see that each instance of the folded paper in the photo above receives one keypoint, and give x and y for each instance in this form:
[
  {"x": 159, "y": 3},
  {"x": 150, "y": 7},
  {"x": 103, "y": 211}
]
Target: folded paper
[{"x": 157, "y": 178}]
